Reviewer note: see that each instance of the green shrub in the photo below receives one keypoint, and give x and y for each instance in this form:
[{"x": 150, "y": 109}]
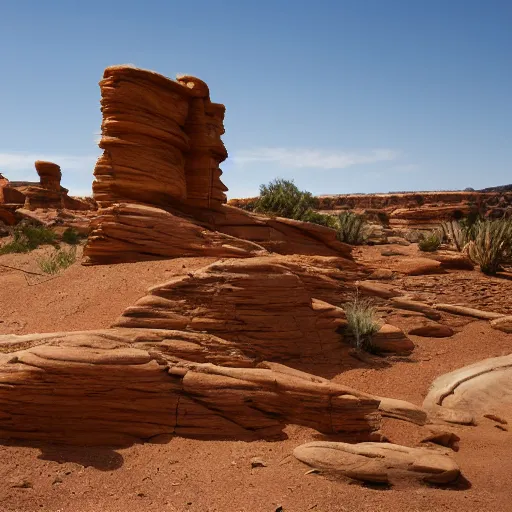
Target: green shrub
[
  {"x": 26, "y": 238},
  {"x": 282, "y": 198},
  {"x": 352, "y": 228},
  {"x": 430, "y": 242},
  {"x": 491, "y": 244},
  {"x": 59, "y": 260},
  {"x": 362, "y": 322},
  {"x": 71, "y": 236},
  {"x": 329, "y": 221}
]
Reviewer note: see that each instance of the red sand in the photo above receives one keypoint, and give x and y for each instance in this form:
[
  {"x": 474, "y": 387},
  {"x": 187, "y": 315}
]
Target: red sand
[{"x": 192, "y": 475}]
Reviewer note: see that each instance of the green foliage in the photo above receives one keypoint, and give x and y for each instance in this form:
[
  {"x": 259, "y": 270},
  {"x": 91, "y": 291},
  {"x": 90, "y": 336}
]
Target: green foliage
[
  {"x": 352, "y": 228},
  {"x": 282, "y": 198},
  {"x": 361, "y": 316},
  {"x": 430, "y": 242},
  {"x": 26, "y": 238},
  {"x": 71, "y": 236},
  {"x": 59, "y": 260},
  {"x": 491, "y": 244}
]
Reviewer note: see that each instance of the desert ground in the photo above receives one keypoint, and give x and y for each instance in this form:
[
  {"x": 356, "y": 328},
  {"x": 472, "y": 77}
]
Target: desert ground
[{"x": 201, "y": 475}]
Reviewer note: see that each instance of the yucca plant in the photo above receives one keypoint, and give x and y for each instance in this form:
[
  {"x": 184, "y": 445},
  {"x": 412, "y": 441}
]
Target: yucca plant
[
  {"x": 491, "y": 246},
  {"x": 361, "y": 315},
  {"x": 459, "y": 233},
  {"x": 430, "y": 242},
  {"x": 352, "y": 228}
]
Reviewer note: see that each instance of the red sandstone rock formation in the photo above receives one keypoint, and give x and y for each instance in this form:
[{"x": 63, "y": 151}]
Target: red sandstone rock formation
[
  {"x": 161, "y": 141},
  {"x": 162, "y": 147}
]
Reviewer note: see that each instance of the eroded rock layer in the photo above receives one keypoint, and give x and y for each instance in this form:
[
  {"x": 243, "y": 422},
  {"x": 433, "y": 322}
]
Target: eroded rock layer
[
  {"x": 111, "y": 387},
  {"x": 160, "y": 139}
]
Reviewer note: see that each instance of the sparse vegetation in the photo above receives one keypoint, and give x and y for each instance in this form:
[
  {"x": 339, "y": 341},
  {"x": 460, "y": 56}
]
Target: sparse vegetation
[
  {"x": 71, "y": 236},
  {"x": 352, "y": 228},
  {"x": 27, "y": 237},
  {"x": 430, "y": 242},
  {"x": 362, "y": 321},
  {"x": 58, "y": 260},
  {"x": 282, "y": 198},
  {"x": 459, "y": 233},
  {"x": 491, "y": 244}
]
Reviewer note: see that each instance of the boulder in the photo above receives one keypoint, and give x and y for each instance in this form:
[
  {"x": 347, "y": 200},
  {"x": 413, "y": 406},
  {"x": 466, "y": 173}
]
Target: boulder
[
  {"x": 457, "y": 261},
  {"x": 432, "y": 330},
  {"x": 384, "y": 291},
  {"x": 503, "y": 324},
  {"x": 379, "y": 462},
  {"x": 419, "y": 267},
  {"x": 392, "y": 339},
  {"x": 476, "y": 390},
  {"x": 405, "y": 303}
]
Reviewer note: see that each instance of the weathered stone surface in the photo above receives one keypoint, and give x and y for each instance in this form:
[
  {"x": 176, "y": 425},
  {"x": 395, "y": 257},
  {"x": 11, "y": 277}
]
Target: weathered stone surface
[
  {"x": 419, "y": 267},
  {"x": 384, "y": 291},
  {"x": 118, "y": 386},
  {"x": 432, "y": 330},
  {"x": 404, "y": 303},
  {"x": 392, "y": 339},
  {"x": 503, "y": 324},
  {"x": 466, "y": 311},
  {"x": 443, "y": 438},
  {"x": 379, "y": 462},
  {"x": 402, "y": 410},
  {"x": 162, "y": 147},
  {"x": 134, "y": 232},
  {"x": 456, "y": 261},
  {"x": 382, "y": 274},
  {"x": 260, "y": 304},
  {"x": 475, "y": 390}
]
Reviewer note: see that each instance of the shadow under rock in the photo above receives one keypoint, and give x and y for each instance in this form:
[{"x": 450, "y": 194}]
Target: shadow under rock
[{"x": 102, "y": 458}]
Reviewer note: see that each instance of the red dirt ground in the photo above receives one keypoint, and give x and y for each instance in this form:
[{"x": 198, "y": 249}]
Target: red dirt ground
[{"x": 192, "y": 475}]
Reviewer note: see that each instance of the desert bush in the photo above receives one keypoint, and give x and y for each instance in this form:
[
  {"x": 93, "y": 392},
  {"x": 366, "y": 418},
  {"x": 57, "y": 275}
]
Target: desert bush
[
  {"x": 491, "y": 244},
  {"x": 352, "y": 228},
  {"x": 282, "y": 198},
  {"x": 59, "y": 260},
  {"x": 430, "y": 242},
  {"x": 361, "y": 316},
  {"x": 71, "y": 236},
  {"x": 26, "y": 238}
]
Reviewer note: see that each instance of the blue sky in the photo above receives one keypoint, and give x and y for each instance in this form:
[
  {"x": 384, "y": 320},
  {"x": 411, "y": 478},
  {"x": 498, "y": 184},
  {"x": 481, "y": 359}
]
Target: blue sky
[{"x": 340, "y": 95}]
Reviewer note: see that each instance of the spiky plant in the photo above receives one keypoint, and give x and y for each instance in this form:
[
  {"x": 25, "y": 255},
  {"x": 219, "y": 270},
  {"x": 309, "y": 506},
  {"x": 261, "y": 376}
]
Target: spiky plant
[
  {"x": 352, "y": 228},
  {"x": 492, "y": 244},
  {"x": 459, "y": 233},
  {"x": 362, "y": 323}
]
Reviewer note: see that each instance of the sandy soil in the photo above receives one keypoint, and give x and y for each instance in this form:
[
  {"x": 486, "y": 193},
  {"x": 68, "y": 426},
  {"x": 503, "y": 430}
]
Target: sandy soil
[{"x": 193, "y": 475}]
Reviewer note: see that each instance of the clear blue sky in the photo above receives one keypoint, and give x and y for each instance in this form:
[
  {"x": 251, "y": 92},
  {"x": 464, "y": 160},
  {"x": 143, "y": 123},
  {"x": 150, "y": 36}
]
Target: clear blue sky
[{"x": 340, "y": 95}]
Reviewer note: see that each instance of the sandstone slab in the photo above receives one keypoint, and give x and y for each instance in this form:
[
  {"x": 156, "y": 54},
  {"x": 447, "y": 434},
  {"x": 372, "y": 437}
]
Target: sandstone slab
[{"x": 379, "y": 462}]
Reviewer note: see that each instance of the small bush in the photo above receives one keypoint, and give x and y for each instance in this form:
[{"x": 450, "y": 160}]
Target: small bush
[
  {"x": 26, "y": 238},
  {"x": 282, "y": 198},
  {"x": 362, "y": 322},
  {"x": 352, "y": 228},
  {"x": 71, "y": 236},
  {"x": 59, "y": 260},
  {"x": 430, "y": 242},
  {"x": 491, "y": 244}
]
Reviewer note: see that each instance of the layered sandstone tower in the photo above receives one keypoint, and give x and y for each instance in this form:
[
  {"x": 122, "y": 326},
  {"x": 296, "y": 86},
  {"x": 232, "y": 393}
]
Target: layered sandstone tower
[{"x": 161, "y": 141}]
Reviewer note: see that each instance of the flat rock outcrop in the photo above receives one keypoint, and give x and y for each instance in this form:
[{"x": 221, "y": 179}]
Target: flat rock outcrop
[
  {"x": 379, "y": 462},
  {"x": 119, "y": 386}
]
